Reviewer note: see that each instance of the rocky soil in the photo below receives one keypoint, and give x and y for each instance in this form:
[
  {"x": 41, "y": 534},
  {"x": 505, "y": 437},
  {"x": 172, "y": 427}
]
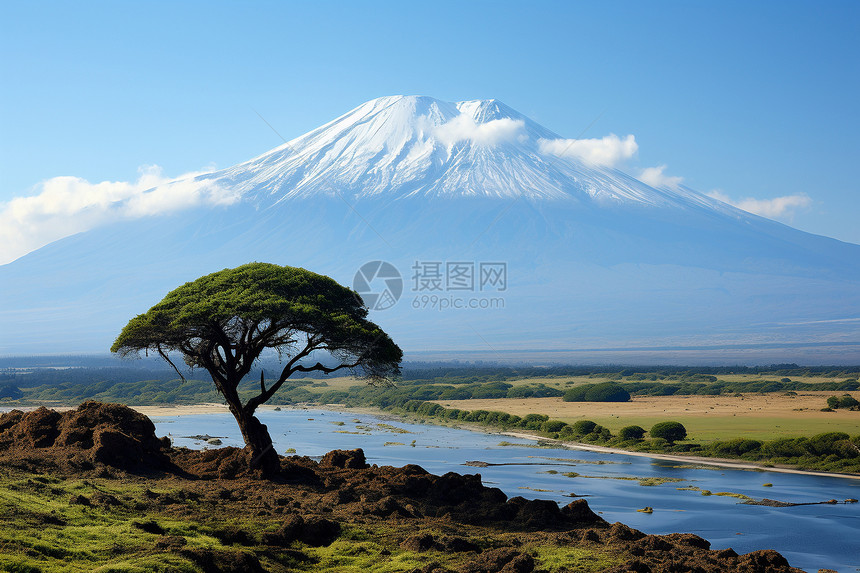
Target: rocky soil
[{"x": 453, "y": 520}]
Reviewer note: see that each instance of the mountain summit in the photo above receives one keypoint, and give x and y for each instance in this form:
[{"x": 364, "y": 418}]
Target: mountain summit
[
  {"x": 449, "y": 196},
  {"x": 416, "y": 146}
]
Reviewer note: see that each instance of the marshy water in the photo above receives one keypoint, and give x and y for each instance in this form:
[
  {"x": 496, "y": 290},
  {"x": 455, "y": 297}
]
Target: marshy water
[{"x": 615, "y": 485}]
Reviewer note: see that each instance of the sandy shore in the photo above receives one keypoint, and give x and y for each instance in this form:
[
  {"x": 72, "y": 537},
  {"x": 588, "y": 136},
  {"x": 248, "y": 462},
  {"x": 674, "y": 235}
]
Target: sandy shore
[
  {"x": 182, "y": 410},
  {"x": 194, "y": 409},
  {"x": 719, "y": 462}
]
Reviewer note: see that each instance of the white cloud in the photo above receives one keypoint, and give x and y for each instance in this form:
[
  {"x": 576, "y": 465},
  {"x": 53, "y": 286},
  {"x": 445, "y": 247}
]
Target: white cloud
[
  {"x": 490, "y": 133},
  {"x": 608, "y": 151},
  {"x": 776, "y": 208},
  {"x": 655, "y": 177},
  {"x": 63, "y": 206}
]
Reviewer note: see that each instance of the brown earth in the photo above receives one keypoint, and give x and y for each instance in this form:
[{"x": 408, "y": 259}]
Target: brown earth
[{"x": 313, "y": 501}]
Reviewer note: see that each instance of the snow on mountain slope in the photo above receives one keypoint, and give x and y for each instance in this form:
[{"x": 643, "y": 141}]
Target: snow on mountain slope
[
  {"x": 594, "y": 258},
  {"x": 403, "y": 146}
]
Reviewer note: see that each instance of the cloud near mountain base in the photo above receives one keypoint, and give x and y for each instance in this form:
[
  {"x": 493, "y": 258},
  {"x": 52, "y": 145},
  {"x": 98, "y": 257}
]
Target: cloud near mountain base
[
  {"x": 64, "y": 206},
  {"x": 782, "y": 208}
]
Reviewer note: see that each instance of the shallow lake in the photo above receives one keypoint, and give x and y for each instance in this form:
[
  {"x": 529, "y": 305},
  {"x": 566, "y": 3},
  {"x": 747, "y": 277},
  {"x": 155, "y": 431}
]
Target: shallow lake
[{"x": 810, "y": 537}]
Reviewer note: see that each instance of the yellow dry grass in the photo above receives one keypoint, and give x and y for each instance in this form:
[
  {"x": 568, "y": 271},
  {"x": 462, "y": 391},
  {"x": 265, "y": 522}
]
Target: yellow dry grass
[{"x": 707, "y": 418}]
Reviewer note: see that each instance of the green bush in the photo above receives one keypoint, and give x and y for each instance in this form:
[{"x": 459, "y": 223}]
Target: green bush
[
  {"x": 583, "y": 427},
  {"x": 452, "y": 413},
  {"x": 552, "y": 426},
  {"x": 521, "y": 392},
  {"x": 533, "y": 421},
  {"x": 669, "y": 431},
  {"x": 604, "y": 392},
  {"x": 826, "y": 443},
  {"x": 576, "y": 394},
  {"x": 735, "y": 448},
  {"x": 476, "y": 416},
  {"x": 428, "y": 409},
  {"x": 785, "y": 447},
  {"x": 598, "y": 435},
  {"x": 631, "y": 433}
]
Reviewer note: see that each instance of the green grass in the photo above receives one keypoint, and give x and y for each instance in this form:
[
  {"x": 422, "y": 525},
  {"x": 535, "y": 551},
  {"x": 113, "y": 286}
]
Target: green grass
[
  {"x": 43, "y": 529},
  {"x": 573, "y": 559}
]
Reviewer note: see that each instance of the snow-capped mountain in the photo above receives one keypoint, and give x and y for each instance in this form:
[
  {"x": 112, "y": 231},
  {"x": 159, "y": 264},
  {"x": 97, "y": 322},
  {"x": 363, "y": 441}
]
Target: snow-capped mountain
[
  {"x": 412, "y": 146},
  {"x": 590, "y": 257}
]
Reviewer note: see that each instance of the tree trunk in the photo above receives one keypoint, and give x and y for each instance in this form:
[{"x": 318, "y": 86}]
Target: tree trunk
[{"x": 258, "y": 441}]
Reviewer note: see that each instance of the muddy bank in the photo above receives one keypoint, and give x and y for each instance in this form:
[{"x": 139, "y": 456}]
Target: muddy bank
[{"x": 450, "y": 522}]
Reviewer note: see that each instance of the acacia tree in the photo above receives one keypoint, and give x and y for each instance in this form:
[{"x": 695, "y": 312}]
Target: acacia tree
[{"x": 223, "y": 321}]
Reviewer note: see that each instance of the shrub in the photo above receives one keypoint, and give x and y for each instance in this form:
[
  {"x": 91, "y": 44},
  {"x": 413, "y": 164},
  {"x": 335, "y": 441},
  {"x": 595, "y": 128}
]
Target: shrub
[
  {"x": 583, "y": 427},
  {"x": 604, "y": 392},
  {"x": 521, "y": 392},
  {"x": 476, "y": 416},
  {"x": 453, "y": 393},
  {"x": 452, "y": 413},
  {"x": 497, "y": 419},
  {"x": 566, "y": 432},
  {"x": 412, "y": 405},
  {"x": 735, "y": 448},
  {"x": 631, "y": 433},
  {"x": 669, "y": 431},
  {"x": 598, "y": 435},
  {"x": 576, "y": 394},
  {"x": 785, "y": 447},
  {"x": 428, "y": 409},
  {"x": 533, "y": 421},
  {"x": 825, "y": 444},
  {"x": 552, "y": 426}
]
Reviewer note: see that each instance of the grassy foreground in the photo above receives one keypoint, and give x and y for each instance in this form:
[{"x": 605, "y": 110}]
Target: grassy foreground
[
  {"x": 94, "y": 489},
  {"x": 59, "y": 524}
]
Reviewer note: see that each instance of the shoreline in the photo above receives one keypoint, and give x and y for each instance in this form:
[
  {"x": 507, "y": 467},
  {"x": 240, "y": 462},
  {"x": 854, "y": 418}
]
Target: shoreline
[
  {"x": 213, "y": 408},
  {"x": 717, "y": 462}
]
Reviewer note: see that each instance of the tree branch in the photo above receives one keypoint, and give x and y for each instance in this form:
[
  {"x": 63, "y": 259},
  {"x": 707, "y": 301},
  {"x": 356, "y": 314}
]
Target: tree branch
[
  {"x": 288, "y": 370},
  {"x": 169, "y": 361},
  {"x": 320, "y": 368}
]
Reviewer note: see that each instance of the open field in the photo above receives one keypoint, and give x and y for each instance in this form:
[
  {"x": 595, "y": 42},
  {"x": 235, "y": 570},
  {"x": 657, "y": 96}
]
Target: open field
[{"x": 707, "y": 418}]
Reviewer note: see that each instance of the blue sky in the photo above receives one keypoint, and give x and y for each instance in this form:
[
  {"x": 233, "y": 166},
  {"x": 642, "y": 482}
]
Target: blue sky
[{"x": 748, "y": 100}]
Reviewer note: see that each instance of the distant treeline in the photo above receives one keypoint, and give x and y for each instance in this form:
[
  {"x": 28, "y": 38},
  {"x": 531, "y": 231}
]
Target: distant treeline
[
  {"x": 434, "y": 371},
  {"x": 140, "y": 386},
  {"x": 717, "y": 387}
]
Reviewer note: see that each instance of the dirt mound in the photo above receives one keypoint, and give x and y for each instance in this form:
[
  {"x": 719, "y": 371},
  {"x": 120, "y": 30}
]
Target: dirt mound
[
  {"x": 219, "y": 463},
  {"x": 412, "y": 492},
  {"x": 94, "y": 433},
  {"x": 348, "y": 459}
]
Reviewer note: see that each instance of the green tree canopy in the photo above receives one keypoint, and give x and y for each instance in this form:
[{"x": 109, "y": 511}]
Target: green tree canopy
[
  {"x": 631, "y": 432},
  {"x": 223, "y": 321},
  {"x": 669, "y": 431},
  {"x": 603, "y": 392}
]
